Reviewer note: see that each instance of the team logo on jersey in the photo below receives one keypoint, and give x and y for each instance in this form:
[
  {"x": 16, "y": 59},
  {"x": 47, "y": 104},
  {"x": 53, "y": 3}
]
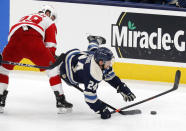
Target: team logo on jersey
[{"x": 150, "y": 37}]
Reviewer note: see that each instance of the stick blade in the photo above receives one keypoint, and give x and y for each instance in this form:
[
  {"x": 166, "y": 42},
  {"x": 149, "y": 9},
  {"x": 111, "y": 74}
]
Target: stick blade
[
  {"x": 177, "y": 79},
  {"x": 131, "y": 112}
]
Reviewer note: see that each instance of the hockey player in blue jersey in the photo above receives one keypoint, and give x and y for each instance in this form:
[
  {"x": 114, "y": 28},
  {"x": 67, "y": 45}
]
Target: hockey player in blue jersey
[{"x": 90, "y": 68}]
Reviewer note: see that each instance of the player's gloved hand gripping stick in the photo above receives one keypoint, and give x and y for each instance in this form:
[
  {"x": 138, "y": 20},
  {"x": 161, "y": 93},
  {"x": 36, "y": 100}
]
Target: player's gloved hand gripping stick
[
  {"x": 175, "y": 86},
  {"x": 129, "y": 112}
]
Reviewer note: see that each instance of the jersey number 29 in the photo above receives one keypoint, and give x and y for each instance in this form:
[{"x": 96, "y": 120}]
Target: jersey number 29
[{"x": 32, "y": 18}]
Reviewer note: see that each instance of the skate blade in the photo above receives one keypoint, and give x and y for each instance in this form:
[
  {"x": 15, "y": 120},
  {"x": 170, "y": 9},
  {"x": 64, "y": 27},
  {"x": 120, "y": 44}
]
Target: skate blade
[
  {"x": 1, "y": 110},
  {"x": 64, "y": 110}
]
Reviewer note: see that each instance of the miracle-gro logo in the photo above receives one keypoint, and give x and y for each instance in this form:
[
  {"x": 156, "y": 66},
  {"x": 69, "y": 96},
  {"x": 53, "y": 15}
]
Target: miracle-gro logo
[
  {"x": 150, "y": 37},
  {"x": 143, "y": 39}
]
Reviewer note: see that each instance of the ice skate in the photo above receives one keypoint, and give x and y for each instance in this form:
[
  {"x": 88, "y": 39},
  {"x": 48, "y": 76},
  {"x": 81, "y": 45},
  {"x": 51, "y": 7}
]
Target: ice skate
[
  {"x": 100, "y": 40},
  {"x": 3, "y": 101},
  {"x": 61, "y": 103}
]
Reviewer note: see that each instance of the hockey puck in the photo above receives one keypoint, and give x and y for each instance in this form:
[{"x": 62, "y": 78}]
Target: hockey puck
[{"x": 153, "y": 112}]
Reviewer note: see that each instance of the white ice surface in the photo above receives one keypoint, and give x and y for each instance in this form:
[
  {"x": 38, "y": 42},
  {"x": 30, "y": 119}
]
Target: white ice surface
[{"x": 31, "y": 107}]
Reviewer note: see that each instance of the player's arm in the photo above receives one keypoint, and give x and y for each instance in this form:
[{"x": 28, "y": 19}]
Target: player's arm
[
  {"x": 50, "y": 38},
  {"x": 120, "y": 86},
  {"x": 92, "y": 100}
]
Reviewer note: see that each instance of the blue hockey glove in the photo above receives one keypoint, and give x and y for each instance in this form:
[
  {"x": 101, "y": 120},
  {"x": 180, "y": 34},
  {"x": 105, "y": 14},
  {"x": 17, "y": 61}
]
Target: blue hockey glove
[
  {"x": 125, "y": 92},
  {"x": 105, "y": 113}
]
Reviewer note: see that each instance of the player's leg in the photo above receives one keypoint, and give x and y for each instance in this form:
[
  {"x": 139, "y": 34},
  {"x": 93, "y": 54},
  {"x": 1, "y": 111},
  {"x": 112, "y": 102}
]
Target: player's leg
[
  {"x": 94, "y": 42},
  {"x": 41, "y": 56},
  {"x": 10, "y": 53},
  {"x": 4, "y": 80},
  {"x": 55, "y": 82},
  {"x": 56, "y": 85}
]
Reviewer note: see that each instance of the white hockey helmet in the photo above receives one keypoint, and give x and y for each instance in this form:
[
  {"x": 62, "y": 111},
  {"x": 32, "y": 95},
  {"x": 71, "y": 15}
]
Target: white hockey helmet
[{"x": 53, "y": 13}]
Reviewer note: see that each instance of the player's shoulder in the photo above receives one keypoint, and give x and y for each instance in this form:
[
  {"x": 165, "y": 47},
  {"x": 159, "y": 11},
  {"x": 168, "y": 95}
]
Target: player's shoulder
[{"x": 95, "y": 71}]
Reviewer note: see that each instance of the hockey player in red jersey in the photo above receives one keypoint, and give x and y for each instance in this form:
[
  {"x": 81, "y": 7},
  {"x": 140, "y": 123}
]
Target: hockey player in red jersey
[{"x": 34, "y": 38}]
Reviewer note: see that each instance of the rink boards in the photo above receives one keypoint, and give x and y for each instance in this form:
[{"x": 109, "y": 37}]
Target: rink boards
[{"x": 148, "y": 42}]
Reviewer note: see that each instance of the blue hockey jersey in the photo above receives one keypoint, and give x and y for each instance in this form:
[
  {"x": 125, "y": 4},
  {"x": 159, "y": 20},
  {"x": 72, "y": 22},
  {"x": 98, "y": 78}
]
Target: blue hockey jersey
[{"x": 81, "y": 68}]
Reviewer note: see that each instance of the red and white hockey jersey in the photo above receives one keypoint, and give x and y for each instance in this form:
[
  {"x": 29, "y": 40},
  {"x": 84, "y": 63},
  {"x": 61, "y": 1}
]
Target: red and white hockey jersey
[{"x": 41, "y": 23}]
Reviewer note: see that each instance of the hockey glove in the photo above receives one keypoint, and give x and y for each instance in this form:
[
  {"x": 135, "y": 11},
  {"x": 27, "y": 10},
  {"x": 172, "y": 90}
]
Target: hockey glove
[
  {"x": 125, "y": 92},
  {"x": 105, "y": 113},
  {"x": 56, "y": 57}
]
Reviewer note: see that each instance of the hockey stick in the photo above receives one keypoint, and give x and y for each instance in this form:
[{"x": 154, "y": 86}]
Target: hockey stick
[
  {"x": 175, "y": 86},
  {"x": 129, "y": 112},
  {"x": 56, "y": 63}
]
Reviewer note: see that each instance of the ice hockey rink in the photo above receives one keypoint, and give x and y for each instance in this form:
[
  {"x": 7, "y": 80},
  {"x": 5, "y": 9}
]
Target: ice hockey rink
[{"x": 31, "y": 107}]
